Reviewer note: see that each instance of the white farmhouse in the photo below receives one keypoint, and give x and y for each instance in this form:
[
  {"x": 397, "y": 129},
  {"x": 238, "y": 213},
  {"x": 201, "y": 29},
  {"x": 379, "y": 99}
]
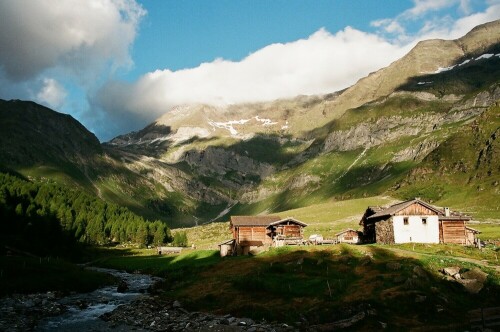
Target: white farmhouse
[{"x": 416, "y": 221}]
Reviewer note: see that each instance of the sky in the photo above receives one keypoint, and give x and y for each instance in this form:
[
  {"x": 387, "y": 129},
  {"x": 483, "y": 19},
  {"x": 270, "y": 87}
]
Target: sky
[{"x": 117, "y": 65}]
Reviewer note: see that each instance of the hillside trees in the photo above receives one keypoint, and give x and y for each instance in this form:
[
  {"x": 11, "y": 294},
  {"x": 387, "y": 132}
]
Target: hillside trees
[
  {"x": 180, "y": 239},
  {"x": 33, "y": 210}
]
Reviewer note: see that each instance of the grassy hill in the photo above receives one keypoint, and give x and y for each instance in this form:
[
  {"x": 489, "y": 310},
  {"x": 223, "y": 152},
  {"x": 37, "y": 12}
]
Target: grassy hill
[
  {"x": 464, "y": 171},
  {"x": 318, "y": 285},
  {"x": 407, "y": 130},
  {"x": 327, "y": 219}
]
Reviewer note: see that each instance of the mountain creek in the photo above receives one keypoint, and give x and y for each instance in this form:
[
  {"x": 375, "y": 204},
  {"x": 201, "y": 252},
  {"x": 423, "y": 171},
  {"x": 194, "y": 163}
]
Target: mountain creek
[{"x": 130, "y": 306}]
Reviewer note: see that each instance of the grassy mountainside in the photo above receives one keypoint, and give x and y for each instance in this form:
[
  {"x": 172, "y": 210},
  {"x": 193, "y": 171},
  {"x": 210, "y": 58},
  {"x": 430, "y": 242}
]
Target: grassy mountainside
[
  {"x": 196, "y": 165},
  {"x": 464, "y": 170},
  {"x": 49, "y": 143}
]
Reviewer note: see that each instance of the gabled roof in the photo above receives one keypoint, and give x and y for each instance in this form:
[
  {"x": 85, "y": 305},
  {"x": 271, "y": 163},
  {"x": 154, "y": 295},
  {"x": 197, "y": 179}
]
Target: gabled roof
[
  {"x": 375, "y": 213},
  {"x": 393, "y": 209},
  {"x": 288, "y": 219},
  {"x": 253, "y": 220},
  {"x": 345, "y": 231}
]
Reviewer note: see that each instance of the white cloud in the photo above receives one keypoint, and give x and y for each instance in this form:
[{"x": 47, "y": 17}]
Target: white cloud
[
  {"x": 82, "y": 37},
  {"x": 435, "y": 20},
  {"x": 422, "y": 7},
  {"x": 52, "y": 93},
  {"x": 322, "y": 63}
]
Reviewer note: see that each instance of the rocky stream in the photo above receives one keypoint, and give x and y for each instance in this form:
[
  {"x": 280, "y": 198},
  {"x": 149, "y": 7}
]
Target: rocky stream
[{"x": 126, "y": 307}]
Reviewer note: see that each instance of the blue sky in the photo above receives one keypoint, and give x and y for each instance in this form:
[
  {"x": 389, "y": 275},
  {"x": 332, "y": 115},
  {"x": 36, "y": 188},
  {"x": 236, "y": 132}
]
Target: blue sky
[
  {"x": 183, "y": 34},
  {"x": 117, "y": 65}
]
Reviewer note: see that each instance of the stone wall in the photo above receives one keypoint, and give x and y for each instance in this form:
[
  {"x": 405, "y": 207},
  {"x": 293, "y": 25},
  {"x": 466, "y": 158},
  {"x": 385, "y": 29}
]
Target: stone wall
[{"x": 384, "y": 232}]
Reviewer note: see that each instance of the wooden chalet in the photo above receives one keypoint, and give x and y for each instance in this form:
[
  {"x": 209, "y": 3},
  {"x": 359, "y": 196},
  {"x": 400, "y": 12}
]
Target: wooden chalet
[
  {"x": 348, "y": 236},
  {"x": 416, "y": 221},
  {"x": 251, "y": 232}
]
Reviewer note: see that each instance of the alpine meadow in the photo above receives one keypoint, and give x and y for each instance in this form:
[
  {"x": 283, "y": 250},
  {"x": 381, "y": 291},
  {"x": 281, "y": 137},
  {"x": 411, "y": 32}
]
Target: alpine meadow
[{"x": 371, "y": 207}]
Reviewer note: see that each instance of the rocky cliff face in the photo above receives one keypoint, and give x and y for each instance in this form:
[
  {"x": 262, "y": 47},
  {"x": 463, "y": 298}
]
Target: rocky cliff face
[{"x": 199, "y": 160}]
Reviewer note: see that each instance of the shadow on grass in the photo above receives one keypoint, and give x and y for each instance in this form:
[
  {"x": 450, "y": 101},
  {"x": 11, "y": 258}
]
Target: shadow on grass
[
  {"x": 26, "y": 274},
  {"x": 318, "y": 284}
]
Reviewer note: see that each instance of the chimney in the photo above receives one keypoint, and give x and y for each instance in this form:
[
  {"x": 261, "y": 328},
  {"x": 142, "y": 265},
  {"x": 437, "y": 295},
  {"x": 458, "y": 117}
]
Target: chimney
[{"x": 446, "y": 211}]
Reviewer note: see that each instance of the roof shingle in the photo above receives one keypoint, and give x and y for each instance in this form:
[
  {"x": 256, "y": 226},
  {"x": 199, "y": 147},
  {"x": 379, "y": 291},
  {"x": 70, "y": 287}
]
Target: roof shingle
[{"x": 254, "y": 220}]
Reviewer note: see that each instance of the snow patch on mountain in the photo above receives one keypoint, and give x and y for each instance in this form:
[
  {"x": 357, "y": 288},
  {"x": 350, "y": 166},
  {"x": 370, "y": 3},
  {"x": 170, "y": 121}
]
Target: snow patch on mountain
[
  {"x": 265, "y": 122},
  {"x": 228, "y": 125},
  {"x": 483, "y": 56}
]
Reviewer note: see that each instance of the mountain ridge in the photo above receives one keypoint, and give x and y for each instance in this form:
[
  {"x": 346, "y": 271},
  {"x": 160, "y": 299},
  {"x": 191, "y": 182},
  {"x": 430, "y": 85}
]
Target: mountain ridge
[
  {"x": 192, "y": 167},
  {"x": 425, "y": 58}
]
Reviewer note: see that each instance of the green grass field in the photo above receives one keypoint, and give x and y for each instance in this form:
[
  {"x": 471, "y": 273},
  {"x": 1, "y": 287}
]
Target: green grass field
[
  {"x": 326, "y": 219},
  {"x": 324, "y": 283}
]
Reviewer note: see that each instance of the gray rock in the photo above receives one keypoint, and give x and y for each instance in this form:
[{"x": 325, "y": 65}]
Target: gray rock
[
  {"x": 475, "y": 273},
  {"x": 472, "y": 286},
  {"x": 451, "y": 271},
  {"x": 420, "y": 272},
  {"x": 122, "y": 287}
]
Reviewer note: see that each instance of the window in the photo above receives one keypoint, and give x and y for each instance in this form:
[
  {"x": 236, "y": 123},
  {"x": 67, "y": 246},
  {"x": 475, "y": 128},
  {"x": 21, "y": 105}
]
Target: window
[
  {"x": 405, "y": 220},
  {"x": 424, "y": 221}
]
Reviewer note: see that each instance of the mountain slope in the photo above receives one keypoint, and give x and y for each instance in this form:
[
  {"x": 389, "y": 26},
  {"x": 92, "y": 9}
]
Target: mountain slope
[
  {"x": 300, "y": 115},
  {"x": 199, "y": 163},
  {"x": 464, "y": 170},
  {"x": 64, "y": 138},
  {"x": 36, "y": 137}
]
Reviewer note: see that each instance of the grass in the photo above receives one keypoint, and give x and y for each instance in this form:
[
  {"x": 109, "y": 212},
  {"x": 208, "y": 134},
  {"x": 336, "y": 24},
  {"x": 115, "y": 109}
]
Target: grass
[
  {"x": 488, "y": 231},
  {"x": 334, "y": 216},
  {"x": 34, "y": 274},
  {"x": 488, "y": 254},
  {"x": 327, "y": 219},
  {"x": 207, "y": 236},
  {"x": 320, "y": 284}
]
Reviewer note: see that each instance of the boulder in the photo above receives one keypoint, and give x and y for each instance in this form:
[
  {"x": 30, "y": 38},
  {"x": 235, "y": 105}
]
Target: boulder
[
  {"x": 122, "y": 287},
  {"x": 472, "y": 286},
  {"x": 476, "y": 274},
  {"x": 452, "y": 270}
]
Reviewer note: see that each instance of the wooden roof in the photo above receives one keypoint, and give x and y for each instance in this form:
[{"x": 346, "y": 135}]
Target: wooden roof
[
  {"x": 295, "y": 221},
  {"x": 379, "y": 213},
  {"x": 264, "y": 221},
  {"x": 345, "y": 231},
  {"x": 253, "y": 220}
]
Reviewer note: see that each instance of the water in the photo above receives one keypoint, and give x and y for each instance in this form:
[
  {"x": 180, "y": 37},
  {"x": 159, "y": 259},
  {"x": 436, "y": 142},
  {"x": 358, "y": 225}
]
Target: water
[{"x": 84, "y": 309}]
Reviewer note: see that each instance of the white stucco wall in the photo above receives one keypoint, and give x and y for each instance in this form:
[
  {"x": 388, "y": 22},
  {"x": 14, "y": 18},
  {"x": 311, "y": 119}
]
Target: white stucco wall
[{"x": 416, "y": 231}]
